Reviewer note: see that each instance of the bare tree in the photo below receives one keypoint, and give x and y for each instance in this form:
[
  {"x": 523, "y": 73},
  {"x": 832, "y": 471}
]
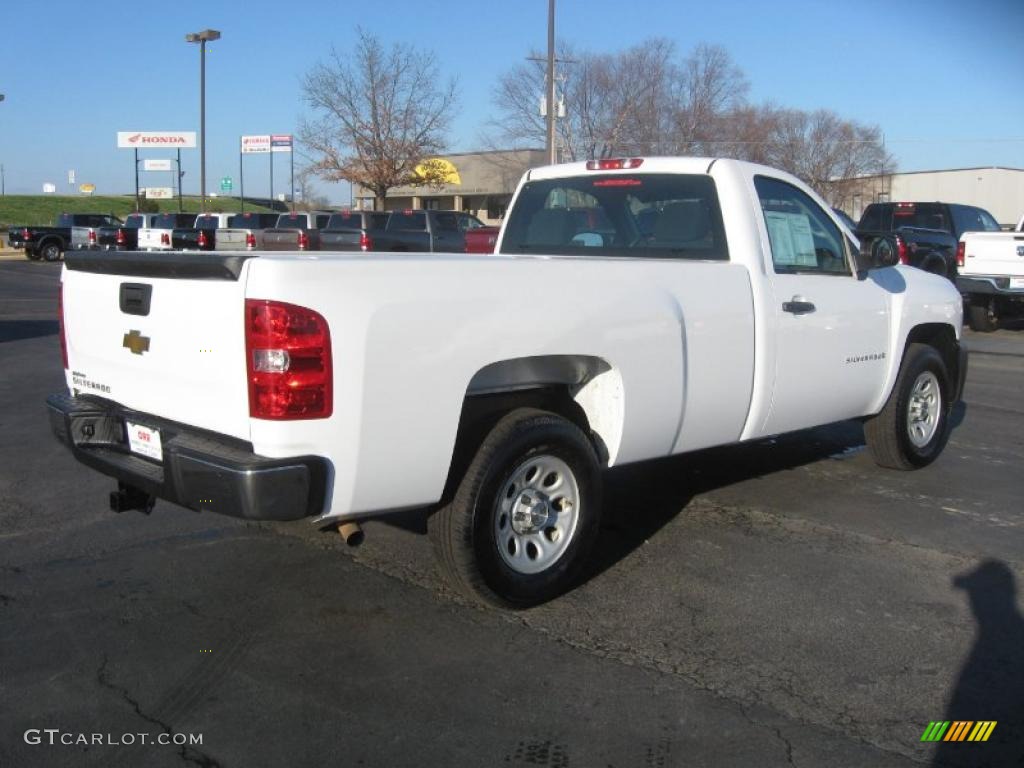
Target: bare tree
[
  {"x": 377, "y": 116},
  {"x": 711, "y": 86}
]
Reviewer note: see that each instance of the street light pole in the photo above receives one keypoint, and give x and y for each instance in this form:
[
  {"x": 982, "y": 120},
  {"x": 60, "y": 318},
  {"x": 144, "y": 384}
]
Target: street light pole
[
  {"x": 202, "y": 38},
  {"x": 3, "y": 181}
]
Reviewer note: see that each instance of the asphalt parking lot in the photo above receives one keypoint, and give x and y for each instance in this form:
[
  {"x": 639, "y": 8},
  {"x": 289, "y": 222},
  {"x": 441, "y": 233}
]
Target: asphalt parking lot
[{"x": 781, "y": 603}]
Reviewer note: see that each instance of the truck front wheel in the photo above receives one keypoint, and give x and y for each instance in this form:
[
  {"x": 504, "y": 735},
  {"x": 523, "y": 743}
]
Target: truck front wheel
[
  {"x": 525, "y": 515},
  {"x": 981, "y": 316},
  {"x": 911, "y": 430}
]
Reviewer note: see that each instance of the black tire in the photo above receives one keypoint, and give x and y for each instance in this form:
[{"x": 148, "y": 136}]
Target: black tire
[
  {"x": 903, "y": 435},
  {"x": 51, "y": 251},
  {"x": 488, "y": 505},
  {"x": 981, "y": 316}
]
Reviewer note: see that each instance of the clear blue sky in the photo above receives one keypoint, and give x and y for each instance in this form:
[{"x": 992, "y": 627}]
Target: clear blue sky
[{"x": 943, "y": 79}]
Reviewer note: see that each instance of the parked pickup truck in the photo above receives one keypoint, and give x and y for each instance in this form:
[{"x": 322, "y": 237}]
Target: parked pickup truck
[
  {"x": 206, "y": 234},
  {"x": 991, "y": 276},
  {"x": 426, "y": 231},
  {"x": 123, "y": 237},
  {"x": 157, "y": 236},
  {"x": 246, "y": 231},
  {"x": 73, "y": 231},
  {"x": 353, "y": 231},
  {"x": 926, "y": 233},
  {"x": 490, "y": 391},
  {"x": 296, "y": 232}
]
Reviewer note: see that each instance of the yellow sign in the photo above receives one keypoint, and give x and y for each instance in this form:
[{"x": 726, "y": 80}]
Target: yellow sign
[
  {"x": 86, "y": 189},
  {"x": 438, "y": 171}
]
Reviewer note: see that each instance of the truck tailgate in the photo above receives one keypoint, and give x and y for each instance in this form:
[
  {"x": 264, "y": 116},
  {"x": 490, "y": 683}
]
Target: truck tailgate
[
  {"x": 993, "y": 253},
  {"x": 160, "y": 334},
  {"x": 230, "y": 239}
]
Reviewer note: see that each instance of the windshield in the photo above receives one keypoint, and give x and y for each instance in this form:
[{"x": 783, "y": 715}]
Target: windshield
[{"x": 635, "y": 215}]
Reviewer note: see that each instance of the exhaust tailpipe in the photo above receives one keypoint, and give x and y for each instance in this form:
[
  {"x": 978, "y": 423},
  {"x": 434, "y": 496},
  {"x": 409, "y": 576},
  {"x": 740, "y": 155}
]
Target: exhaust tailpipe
[{"x": 351, "y": 532}]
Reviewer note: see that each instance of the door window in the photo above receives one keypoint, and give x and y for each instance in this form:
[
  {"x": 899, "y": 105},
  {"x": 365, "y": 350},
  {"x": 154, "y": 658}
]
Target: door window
[{"x": 803, "y": 238}]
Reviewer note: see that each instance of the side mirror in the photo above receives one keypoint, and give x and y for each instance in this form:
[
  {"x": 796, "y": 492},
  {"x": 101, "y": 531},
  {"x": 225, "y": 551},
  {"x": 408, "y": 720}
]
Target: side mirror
[{"x": 883, "y": 251}]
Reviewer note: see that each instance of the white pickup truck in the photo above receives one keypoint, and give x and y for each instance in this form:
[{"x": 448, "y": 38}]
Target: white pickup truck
[
  {"x": 634, "y": 309},
  {"x": 991, "y": 276}
]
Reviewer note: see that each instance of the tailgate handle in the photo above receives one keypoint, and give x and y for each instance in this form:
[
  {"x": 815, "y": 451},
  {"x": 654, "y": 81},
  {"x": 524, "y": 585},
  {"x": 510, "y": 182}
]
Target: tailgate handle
[{"x": 135, "y": 297}]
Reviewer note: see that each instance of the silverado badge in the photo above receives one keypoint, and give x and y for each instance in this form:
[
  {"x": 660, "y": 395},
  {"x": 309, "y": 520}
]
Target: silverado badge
[{"x": 136, "y": 342}]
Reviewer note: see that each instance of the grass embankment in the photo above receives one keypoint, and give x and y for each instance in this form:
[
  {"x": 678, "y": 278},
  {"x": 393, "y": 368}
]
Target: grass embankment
[{"x": 44, "y": 209}]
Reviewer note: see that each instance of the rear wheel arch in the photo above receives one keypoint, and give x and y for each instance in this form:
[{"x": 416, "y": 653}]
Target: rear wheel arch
[{"x": 585, "y": 390}]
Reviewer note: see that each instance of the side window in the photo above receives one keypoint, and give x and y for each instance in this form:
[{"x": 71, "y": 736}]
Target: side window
[
  {"x": 804, "y": 239},
  {"x": 446, "y": 222}
]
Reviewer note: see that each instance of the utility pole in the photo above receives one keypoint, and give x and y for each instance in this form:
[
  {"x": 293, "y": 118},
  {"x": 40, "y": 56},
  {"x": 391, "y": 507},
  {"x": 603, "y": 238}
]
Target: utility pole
[{"x": 550, "y": 146}]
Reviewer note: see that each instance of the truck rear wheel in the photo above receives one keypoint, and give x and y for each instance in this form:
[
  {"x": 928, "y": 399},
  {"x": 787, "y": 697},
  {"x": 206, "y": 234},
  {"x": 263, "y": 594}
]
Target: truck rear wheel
[
  {"x": 981, "y": 316},
  {"x": 50, "y": 251},
  {"x": 912, "y": 429},
  {"x": 525, "y": 515}
]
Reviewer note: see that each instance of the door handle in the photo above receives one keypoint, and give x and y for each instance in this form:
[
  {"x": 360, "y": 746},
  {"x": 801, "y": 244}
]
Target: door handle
[{"x": 798, "y": 306}]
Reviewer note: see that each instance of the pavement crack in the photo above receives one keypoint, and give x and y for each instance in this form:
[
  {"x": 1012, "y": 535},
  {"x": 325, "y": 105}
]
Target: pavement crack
[{"x": 187, "y": 753}]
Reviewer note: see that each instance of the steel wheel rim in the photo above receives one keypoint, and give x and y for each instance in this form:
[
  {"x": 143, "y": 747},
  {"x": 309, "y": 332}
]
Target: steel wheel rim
[
  {"x": 536, "y": 514},
  {"x": 923, "y": 409}
]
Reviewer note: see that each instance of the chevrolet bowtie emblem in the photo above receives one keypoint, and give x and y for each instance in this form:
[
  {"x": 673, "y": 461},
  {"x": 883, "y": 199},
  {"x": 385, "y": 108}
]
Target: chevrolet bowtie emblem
[{"x": 136, "y": 342}]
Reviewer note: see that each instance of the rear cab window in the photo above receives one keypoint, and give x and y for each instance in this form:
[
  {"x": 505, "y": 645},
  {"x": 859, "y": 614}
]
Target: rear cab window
[
  {"x": 636, "y": 215},
  {"x": 207, "y": 222},
  {"x": 921, "y": 216}
]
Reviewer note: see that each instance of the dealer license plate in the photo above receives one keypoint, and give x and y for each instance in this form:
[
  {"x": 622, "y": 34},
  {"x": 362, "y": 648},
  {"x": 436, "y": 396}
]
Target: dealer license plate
[
  {"x": 144, "y": 441},
  {"x": 1017, "y": 283}
]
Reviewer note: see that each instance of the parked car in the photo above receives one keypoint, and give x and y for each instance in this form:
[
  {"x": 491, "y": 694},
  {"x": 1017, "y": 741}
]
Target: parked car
[
  {"x": 426, "y": 231},
  {"x": 123, "y": 237},
  {"x": 296, "y": 231},
  {"x": 157, "y": 236},
  {"x": 353, "y": 231},
  {"x": 481, "y": 239},
  {"x": 492, "y": 391},
  {"x": 991, "y": 277},
  {"x": 205, "y": 234},
  {"x": 73, "y": 231},
  {"x": 245, "y": 231},
  {"x": 926, "y": 233}
]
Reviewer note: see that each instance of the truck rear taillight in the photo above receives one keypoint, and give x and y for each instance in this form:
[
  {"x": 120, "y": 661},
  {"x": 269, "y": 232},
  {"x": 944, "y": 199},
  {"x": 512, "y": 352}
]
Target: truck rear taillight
[
  {"x": 365, "y": 243},
  {"x": 961, "y": 253},
  {"x": 288, "y": 360},
  {"x": 303, "y": 241},
  {"x": 250, "y": 241},
  {"x": 92, "y": 237},
  {"x": 26, "y": 235},
  {"x": 165, "y": 239},
  {"x": 614, "y": 163},
  {"x": 119, "y": 238},
  {"x": 60, "y": 324},
  {"x": 201, "y": 241},
  {"x": 901, "y": 250}
]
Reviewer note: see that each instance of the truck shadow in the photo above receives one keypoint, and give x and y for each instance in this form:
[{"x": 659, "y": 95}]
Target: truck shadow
[
  {"x": 640, "y": 499},
  {"x": 17, "y": 330}
]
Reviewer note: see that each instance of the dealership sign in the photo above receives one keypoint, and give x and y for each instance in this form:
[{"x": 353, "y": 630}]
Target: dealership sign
[
  {"x": 280, "y": 143},
  {"x": 158, "y": 193},
  {"x": 255, "y": 144},
  {"x": 156, "y": 139},
  {"x": 156, "y": 165}
]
